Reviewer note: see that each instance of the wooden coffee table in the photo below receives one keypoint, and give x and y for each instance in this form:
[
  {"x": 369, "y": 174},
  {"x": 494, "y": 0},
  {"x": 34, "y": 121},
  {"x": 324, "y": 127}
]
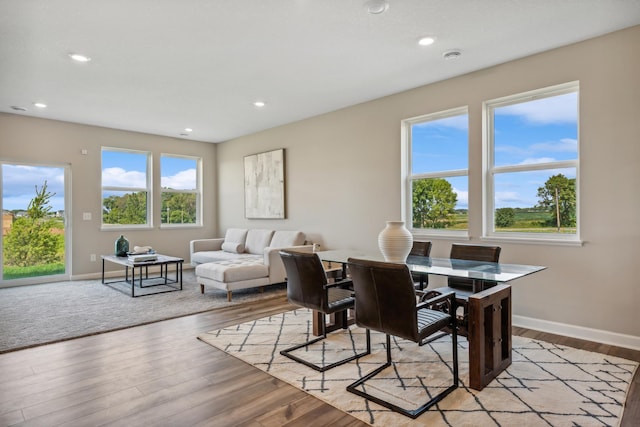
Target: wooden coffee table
[{"x": 162, "y": 282}]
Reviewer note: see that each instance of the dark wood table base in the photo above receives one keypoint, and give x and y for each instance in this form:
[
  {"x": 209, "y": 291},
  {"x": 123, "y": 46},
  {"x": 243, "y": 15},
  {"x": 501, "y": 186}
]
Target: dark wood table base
[{"x": 489, "y": 335}]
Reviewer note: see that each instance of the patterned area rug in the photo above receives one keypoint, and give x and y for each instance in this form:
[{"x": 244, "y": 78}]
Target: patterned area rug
[{"x": 546, "y": 385}]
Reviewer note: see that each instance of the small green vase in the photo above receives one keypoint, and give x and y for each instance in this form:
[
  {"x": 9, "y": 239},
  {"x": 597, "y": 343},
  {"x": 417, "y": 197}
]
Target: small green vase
[{"x": 122, "y": 246}]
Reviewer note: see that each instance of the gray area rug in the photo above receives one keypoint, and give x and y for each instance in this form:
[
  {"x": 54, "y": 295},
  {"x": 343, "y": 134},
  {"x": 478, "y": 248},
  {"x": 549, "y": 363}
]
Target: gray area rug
[{"x": 42, "y": 314}]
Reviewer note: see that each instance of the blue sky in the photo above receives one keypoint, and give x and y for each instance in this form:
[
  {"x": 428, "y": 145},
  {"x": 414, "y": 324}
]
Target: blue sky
[
  {"x": 125, "y": 169},
  {"x": 539, "y": 131},
  {"x": 119, "y": 169},
  {"x": 19, "y": 185}
]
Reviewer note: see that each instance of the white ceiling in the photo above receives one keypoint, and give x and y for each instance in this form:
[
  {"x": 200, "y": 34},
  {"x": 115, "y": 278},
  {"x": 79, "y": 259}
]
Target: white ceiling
[{"x": 159, "y": 66}]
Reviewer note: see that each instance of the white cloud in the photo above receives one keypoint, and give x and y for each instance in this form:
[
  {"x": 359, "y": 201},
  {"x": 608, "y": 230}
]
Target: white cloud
[
  {"x": 23, "y": 179},
  {"x": 569, "y": 145},
  {"x": 512, "y": 199},
  {"x": 183, "y": 180},
  {"x": 463, "y": 198},
  {"x": 537, "y": 160},
  {"x": 19, "y": 185},
  {"x": 118, "y": 177},
  {"x": 556, "y": 109},
  {"x": 511, "y": 149},
  {"x": 564, "y": 145}
]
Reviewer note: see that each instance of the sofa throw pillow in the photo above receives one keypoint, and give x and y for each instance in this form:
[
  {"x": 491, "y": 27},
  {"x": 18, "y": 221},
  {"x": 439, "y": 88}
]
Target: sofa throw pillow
[
  {"x": 257, "y": 240},
  {"x": 236, "y": 235},
  {"x": 236, "y": 248},
  {"x": 283, "y": 239}
]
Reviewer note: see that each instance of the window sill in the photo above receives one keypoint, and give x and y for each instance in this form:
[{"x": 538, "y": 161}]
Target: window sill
[
  {"x": 127, "y": 227},
  {"x": 532, "y": 241},
  {"x": 179, "y": 226},
  {"x": 440, "y": 235}
]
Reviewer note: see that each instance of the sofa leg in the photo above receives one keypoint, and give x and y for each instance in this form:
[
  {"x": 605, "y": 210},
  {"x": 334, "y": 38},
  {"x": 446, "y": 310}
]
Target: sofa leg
[
  {"x": 229, "y": 296},
  {"x": 201, "y": 288}
]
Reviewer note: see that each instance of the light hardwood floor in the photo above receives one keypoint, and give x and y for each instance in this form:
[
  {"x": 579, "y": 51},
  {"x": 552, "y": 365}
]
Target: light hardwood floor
[{"x": 161, "y": 375}]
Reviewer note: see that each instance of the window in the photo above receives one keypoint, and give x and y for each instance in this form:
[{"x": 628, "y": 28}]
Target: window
[
  {"x": 180, "y": 192},
  {"x": 436, "y": 158},
  {"x": 126, "y": 188},
  {"x": 531, "y": 165}
]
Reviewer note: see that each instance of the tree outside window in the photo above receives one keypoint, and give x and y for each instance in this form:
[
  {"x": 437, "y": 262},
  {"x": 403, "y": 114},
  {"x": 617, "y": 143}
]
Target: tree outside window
[
  {"x": 126, "y": 188},
  {"x": 180, "y": 191},
  {"x": 532, "y": 164},
  {"x": 437, "y": 178}
]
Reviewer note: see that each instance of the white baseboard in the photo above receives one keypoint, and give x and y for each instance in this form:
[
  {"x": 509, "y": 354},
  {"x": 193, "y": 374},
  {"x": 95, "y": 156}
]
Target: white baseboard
[{"x": 595, "y": 335}]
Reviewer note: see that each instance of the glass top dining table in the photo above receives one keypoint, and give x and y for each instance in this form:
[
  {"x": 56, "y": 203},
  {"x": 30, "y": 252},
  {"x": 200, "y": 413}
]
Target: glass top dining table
[
  {"x": 489, "y": 316},
  {"x": 478, "y": 271}
]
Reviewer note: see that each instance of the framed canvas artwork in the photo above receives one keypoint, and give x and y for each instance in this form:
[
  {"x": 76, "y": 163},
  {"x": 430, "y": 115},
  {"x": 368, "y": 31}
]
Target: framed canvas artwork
[{"x": 264, "y": 185}]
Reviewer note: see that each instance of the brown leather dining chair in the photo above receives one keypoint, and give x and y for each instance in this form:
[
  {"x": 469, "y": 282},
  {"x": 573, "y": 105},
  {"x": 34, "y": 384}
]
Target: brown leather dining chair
[
  {"x": 463, "y": 287},
  {"x": 386, "y": 302},
  {"x": 422, "y": 249},
  {"x": 307, "y": 286}
]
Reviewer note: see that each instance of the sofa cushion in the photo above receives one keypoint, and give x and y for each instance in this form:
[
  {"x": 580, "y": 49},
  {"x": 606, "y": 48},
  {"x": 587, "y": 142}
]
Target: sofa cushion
[
  {"x": 257, "y": 240},
  {"x": 233, "y": 270},
  {"x": 236, "y": 235},
  {"x": 204, "y": 257},
  {"x": 234, "y": 248},
  {"x": 285, "y": 239}
]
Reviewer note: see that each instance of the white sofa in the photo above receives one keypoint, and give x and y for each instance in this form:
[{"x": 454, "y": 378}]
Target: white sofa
[{"x": 244, "y": 258}]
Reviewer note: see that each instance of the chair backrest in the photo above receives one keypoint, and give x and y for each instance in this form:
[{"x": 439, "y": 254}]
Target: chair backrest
[
  {"x": 385, "y": 298},
  {"x": 420, "y": 248},
  {"x": 473, "y": 253},
  {"x": 306, "y": 279}
]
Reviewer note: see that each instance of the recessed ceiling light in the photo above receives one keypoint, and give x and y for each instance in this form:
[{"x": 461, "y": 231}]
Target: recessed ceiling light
[
  {"x": 188, "y": 130},
  {"x": 452, "y": 54},
  {"x": 259, "y": 104},
  {"x": 376, "y": 7},
  {"x": 426, "y": 41},
  {"x": 79, "y": 57},
  {"x": 40, "y": 105}
]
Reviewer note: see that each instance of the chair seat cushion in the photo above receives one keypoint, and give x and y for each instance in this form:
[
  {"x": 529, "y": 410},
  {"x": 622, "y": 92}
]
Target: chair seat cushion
[
  {"x": 339, "y": 299},
  {"x": 430, "y": 321}
]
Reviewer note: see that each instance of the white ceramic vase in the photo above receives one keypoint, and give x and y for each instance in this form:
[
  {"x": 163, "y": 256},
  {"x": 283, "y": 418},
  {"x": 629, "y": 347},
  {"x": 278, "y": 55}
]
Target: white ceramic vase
[{"x": 395, "y": 242}]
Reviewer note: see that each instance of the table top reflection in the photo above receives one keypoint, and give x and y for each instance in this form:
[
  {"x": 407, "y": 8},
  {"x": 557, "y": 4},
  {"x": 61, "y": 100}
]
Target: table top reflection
[{"x": 476, "y": 270}]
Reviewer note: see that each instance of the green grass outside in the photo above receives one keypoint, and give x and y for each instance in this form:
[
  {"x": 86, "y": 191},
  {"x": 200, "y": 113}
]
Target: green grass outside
[
  {"x": 10, "y": 273},
  {"x": 525, "y": 222}
]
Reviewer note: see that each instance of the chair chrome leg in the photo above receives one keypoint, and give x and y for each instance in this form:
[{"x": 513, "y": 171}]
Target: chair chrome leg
[
  {"x": 287, "y": 352},
  {"x": 412, "y": 413}
]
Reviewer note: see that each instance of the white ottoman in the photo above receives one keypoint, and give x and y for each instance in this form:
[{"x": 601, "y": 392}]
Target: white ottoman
[{"x": 233, "y": 274}]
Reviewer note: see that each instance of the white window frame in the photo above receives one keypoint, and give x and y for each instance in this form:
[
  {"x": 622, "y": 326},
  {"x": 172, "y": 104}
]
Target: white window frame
[
  {"x": 197, "y": 191},
  {"x": 489, "y": 170},
  {"x": 407, "y": 176},
  {"x": 148, "y": 189}
]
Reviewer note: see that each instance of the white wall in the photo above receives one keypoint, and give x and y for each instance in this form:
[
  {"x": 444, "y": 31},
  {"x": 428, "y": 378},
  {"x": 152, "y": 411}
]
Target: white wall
[
  {"x": 343, "y": 178},
  {"x": 31, "y": 140}
]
